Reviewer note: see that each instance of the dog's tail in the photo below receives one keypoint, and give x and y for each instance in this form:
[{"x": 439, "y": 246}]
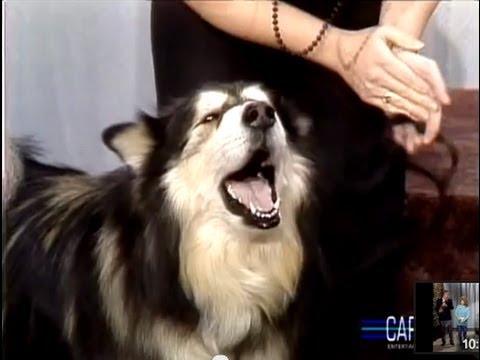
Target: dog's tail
[
  {"x": 22, "y": 164},
  {"x": 13, "y": 169}
]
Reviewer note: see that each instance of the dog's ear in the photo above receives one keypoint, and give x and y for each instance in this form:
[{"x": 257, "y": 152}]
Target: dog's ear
[{"x": 132, "y": 142}]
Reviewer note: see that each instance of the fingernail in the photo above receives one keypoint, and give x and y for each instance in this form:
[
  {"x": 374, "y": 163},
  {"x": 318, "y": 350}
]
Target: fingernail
[
  {"x": 419, "y": 44},
  {"x": 427, "y": 140},
  {"x": 448, "y": 100}
]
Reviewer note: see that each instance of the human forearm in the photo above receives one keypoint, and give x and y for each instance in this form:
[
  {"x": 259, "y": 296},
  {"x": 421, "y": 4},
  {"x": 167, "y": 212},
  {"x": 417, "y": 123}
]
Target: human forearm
[
  {"x": 409, "y": 16},
  {"x": 252, "y": 21}
]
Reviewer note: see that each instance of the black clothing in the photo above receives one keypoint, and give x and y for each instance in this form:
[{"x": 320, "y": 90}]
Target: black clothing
[
  {"x": 364, "y": 174},
  {"x": 446, "y": 313},
  {"x": 362, "y": 185}
]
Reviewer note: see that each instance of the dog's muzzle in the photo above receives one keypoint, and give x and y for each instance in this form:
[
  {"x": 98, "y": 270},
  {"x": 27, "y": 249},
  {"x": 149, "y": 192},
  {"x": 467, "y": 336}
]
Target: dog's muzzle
[{"x": 259, "y": 116}]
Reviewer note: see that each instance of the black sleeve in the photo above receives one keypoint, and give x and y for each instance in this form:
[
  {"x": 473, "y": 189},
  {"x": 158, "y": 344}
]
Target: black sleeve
[
  {"x": 450, "y": 304},
  {"x": 438, "y": 303}
]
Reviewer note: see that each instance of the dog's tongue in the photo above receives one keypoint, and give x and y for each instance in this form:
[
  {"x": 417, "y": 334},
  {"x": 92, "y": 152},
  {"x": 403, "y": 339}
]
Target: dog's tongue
[{"x": 254, "y": 191}]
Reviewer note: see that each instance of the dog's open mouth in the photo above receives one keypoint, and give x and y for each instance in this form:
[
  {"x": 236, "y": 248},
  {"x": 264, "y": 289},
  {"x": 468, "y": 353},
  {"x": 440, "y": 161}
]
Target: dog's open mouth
[{"x": 250, "y": 192}]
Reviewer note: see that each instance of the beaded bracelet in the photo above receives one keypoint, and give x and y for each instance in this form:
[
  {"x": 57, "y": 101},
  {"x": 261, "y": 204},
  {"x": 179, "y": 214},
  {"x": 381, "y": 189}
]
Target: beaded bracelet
[{"x": 315, "y": 42}]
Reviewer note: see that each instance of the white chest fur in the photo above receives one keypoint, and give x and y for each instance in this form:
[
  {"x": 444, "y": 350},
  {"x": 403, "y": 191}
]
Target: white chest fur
[{"x": 239, "y": 280}]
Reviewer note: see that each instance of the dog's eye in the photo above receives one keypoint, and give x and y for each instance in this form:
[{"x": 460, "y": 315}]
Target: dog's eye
[{"x": 211, "y": 117}]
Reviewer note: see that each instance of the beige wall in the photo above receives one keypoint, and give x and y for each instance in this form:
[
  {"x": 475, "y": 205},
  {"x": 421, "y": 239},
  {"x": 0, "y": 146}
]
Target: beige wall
[{"x": 452, "y": 40}]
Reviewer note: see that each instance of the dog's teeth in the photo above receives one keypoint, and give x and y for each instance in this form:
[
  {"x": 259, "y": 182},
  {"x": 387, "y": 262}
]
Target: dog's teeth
[
  {"x": 276, "y": 206},
  {"x": 252, "y": 208},
  {"x": 230, "y": 191}
]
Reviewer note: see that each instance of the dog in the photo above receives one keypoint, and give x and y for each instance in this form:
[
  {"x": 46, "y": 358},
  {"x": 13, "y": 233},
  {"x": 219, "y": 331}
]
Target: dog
[{"x": 197, "y": 246}]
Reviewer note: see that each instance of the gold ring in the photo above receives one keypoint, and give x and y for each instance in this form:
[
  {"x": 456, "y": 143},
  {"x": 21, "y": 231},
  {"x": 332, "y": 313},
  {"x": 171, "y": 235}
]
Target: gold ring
[{"x": 387, "y": 99}]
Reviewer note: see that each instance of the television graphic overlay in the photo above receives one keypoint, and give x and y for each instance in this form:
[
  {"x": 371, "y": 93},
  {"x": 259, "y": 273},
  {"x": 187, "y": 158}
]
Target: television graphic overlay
[
  {"x": 446, "y": 317},
  {"x": 391, "y": 332}
]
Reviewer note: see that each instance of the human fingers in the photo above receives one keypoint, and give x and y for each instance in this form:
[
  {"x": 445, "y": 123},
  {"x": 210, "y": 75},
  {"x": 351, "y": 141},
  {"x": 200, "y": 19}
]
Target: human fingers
[
  {"x": 414, "y": 138},
  {"x": 399, "y": 136},
  {"x": 403, "y": 97},
  {"x": 400, "y": 39},
  {"x": 389, "y": 108},
  {"x": 409, "y": 93},
  {"x": 407, "y": 136},
  {"x": 396, "y": 104},
  {"x": 399, "y": 70},
  {"x": 433, "y": 125},
  {"x": 428, "y": 69}
]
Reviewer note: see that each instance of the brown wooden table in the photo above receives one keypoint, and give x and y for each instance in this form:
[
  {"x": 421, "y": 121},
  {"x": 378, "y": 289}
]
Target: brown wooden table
[{"x": 449, "y": 251}]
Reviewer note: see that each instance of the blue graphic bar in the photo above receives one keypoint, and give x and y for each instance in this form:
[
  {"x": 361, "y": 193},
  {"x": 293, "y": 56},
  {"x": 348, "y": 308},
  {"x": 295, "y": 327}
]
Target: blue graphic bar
[
  {"x": 378, "y": 329},
  {"x": 384, "y": 328},
  {"x": 373, "y": 336},
  {"x": 382, "y": 337}
]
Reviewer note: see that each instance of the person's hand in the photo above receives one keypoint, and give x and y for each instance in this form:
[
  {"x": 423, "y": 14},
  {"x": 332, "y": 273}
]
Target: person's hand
[
  {"x": 406, "y": 134},
  {"x": 399, "y": 82}
]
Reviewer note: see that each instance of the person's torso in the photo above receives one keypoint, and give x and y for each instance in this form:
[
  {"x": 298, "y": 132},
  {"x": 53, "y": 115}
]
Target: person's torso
[
  {"x": 462, "y": 311},
  {"x": 445, "y": 312}
]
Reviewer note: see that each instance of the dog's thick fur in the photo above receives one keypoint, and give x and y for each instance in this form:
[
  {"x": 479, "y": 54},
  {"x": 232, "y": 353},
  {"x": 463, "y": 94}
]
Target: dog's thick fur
[{"x": 146, "y": 262}]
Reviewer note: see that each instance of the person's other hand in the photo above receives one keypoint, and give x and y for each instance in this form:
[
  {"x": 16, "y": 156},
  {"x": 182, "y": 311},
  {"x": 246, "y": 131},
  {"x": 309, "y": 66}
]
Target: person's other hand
[
  {"x": 398, "y": 83},
  {"x": 429, "y": 71},
  {"x": 407, "y": 136}
]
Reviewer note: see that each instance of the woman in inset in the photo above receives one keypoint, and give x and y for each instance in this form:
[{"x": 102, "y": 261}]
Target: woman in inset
[
  {"x": 462, "y": 313},
  {"x": 351, "y": 66}
]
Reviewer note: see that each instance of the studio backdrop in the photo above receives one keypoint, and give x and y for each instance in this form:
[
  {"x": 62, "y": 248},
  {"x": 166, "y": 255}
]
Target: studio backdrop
[
  {"x": 471, "y": 291},
  {"x": 74, "y": 67}
]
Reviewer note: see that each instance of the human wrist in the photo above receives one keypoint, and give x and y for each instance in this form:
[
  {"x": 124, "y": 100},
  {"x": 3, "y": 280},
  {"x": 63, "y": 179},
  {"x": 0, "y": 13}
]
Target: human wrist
[
  {"x": 328, "y": 54},
  {"x": 410, "y": 17},
  {"x": 348, "y": 44}
]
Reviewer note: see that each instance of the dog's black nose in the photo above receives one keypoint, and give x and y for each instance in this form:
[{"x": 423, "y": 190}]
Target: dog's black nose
[{"x": 259, "y": 115}]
